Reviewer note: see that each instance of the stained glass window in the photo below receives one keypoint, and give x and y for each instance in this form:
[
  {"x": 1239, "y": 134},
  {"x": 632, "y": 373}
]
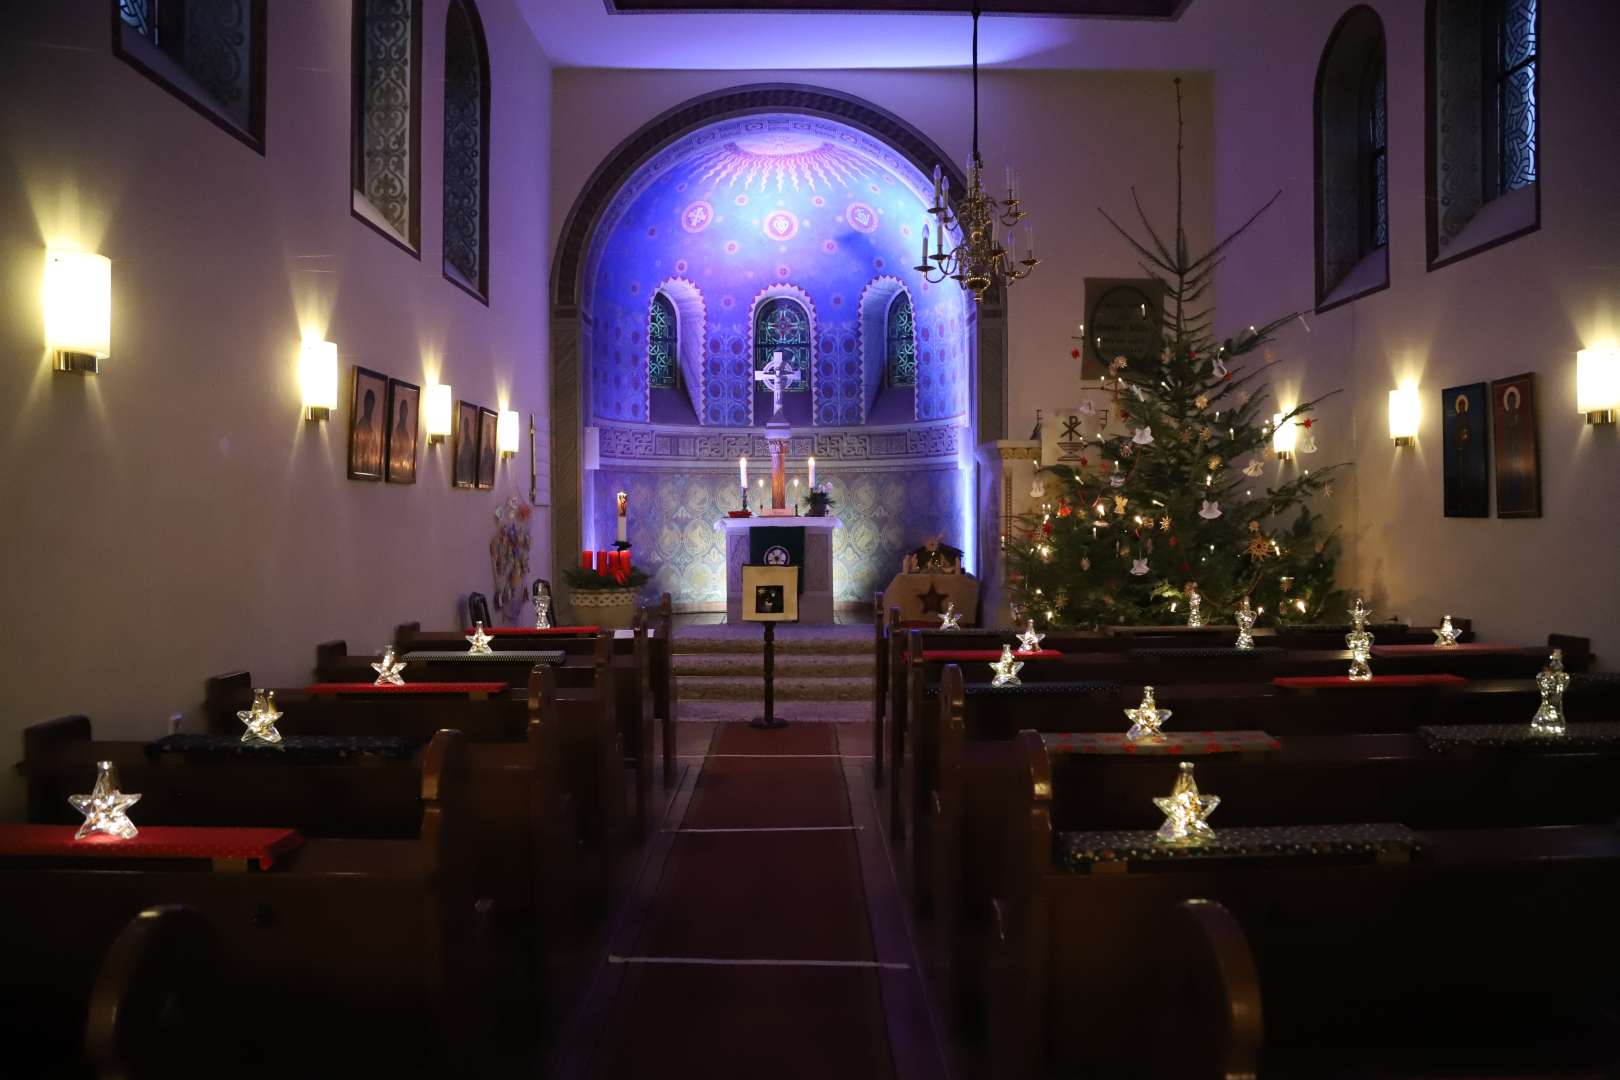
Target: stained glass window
[
  {"x": 207, "y": 52},
  {"x": 387, "y": 131},
  {"x": 466, "y": 104},
  {"x": 900, "y": 342},
  {"x": 142, "y": 15},
  {"x": 1516, "y": 95},
  {"x": 1376, "y": 126},
  {"x": 783, "y": 326},
  {"x": 662, "y": 338}
]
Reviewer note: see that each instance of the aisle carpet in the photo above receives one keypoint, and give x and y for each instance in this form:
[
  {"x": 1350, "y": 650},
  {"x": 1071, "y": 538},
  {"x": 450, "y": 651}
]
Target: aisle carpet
[{"x": 754, "y": 906}]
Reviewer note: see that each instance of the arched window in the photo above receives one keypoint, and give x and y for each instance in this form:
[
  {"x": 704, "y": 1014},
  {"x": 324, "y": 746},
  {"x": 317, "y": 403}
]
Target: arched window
[
  {"x": 900, "y": 342},
  {"x": 663, "y": 337},
  {"x": 210, "y": 56},
  {"x": 1352, "y": 161},
  {"x": 386, "y": 152},
  {"x": 1483, "y": 116},
  {"x": 466, "y": 150},
  {"x": 781, "y": 325}
]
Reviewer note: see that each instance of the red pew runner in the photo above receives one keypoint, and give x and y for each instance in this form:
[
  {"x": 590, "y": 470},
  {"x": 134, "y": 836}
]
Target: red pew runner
[
  {"x": 535, "y": 631},
  {"x": 1312, "y": 682},
  {"x": 409, "y": 688},
  {"x": 989, "y": 655},
  {"x": 153, "y": 842},
  {"x": 1186, "y": 742}
]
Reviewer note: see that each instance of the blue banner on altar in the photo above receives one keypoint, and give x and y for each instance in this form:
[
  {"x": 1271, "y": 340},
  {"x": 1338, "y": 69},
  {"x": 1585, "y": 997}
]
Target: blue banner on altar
[{"x": 777, "y": 546}]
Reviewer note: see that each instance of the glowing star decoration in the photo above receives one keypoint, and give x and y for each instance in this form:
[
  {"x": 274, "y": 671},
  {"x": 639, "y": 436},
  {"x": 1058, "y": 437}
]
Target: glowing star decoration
[
  {"x": 1552, "y": 681},
  {"x": 1360, "y": 642},
  {"x": 1143, "y": 436},
  {"x": 1210, "y": 510},
  {"x": 106, "y": 808},
  {"x": 1139, "y": 567},
  {"x": 1030, "y": 640},
  {"x": 261, "y": 719},
  {"x": 388, "y": 669},
  {"x": 1253, "y": 468},
  {"x": 950, "y": 618},
  {"x": 1446, "y": 636},
  {"x": 1147, "y": 718},
  {"x": 1006, "y": 669},
  {"x": 1244, "y": 617},
  {"x": 1186, "y": 812},
  {"x": 1195, "y": 608},
  {"x": 479, "y": 641}
]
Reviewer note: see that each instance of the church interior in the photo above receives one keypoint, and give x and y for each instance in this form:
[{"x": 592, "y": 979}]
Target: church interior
[{"x": 907, "y": 539}]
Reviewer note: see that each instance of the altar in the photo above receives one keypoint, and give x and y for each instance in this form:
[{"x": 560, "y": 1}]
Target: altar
[{"x": 816, "y": 567}]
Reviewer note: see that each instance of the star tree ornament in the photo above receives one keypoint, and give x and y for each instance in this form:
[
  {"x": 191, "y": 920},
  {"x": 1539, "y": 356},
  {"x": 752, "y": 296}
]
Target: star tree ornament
[
  {"x": 1147, "y": 718},
  {"x": 1360, "y": 642},
  {"x": 1446, "y": 636},
  {"x": 106, "y": 808},
  {"x": 1186, "y": 812},
  {"x": 1007, "y": 669},
  {"x": 479, "y": 641},
  {"x": 261, "y": 719},
  {"x": 1552, "y": 681},
  {"x": 950, "y": 618},
  {"x": 1244, "y": 617},
  {"x": 1030, "y": 640},
  {"x": 388, "y": 669}
]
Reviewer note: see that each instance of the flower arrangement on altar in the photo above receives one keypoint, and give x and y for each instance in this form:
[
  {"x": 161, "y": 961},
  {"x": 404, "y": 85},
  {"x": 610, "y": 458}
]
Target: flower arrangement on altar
[{"x": 819, "y": 500}]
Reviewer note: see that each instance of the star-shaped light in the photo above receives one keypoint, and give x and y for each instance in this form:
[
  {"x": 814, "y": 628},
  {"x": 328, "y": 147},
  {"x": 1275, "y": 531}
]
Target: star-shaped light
[
  {"x": 950, "y": 618},
  {"x": 1360, "y": 613},
  {"x": 479, "y": 641},
  {"x": 1139, "y": 567},
  {"x": 261, "y": 719},
  {"x": 388, "y": 669},
  {"x": 1253, "y": 468},
  {"x": 1446, "y": 636},
  {"x": 1007, "y": 668},
  {"x": 105, "y": 809},
  {"x": 1210, "y": 510},
  {"x": 1030, "y": 639},
  {"x": 1143, "y": 436},
  {"x": 1186, "y": 812},
  {"x": 1146, "y": 718}
]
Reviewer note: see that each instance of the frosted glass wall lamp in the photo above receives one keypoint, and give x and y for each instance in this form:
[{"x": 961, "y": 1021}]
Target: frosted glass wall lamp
[
  {"x": 438, "y": 413},
  {"x": 78, "y": 310},
  {"x": 1597, "y": 383},
  {"x": 318, "y": 378},
  {"x": 1403, "y": 415},
  {"x": 1283, "y": 436},
  {"x": 506, "y": 432}
]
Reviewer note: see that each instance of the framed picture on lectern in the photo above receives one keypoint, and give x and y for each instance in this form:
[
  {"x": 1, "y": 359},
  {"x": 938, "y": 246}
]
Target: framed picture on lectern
[{"x": 770, "y": 593}]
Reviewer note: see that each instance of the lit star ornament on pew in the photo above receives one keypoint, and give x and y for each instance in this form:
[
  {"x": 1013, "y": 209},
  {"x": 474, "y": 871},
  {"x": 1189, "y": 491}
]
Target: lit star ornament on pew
[
  {"x": 1186, "y": 812},
  {"x": 1552, "y": 681},
  {"x": 950, "y": 618},
  {"x": 261, "y": 719},
  {"x": 1007, "y": 668},
  {"x": 1030, "y": 640},
  {"x": 388, "y": 669},
  {"x": 1445, "y": 637},
  {"x": 106, "y": 808},
  {"x": 1147, "y": 718},
  {"x": 479, "y": 641},
  {"x": 1360, "y": 642}
]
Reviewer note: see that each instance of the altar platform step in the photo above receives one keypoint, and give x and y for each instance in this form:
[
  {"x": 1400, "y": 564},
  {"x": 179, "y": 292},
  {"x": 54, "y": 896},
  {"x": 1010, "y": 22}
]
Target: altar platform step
[
  {"x": 789, "y": 664},
  {"x": 790, "y": 639},
  {"x": 689, "y": 688},
  {"x": 798, "y": 712}
]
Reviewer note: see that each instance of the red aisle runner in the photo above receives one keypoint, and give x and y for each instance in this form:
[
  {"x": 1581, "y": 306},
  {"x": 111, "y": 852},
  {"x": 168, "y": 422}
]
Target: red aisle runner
[
  {"x": 153, "y": 842},
  {"x": 1313, "y": 682},
  {"x": 315, "y": 689}
]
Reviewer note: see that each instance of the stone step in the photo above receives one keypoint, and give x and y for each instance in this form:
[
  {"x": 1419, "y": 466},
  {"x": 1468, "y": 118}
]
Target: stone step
[
  {"x": 788, "y": 665},
  {"x": 795, "y": 712},
  {"x": 826, "y": 646},
  {"x": 751, "y": 688}
]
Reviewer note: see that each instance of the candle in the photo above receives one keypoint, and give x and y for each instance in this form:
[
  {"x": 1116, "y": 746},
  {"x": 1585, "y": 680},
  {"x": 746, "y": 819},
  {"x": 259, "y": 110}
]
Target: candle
[
  {"x": 812, "y": 462},
  {"x": 586, "y": 560},
  {"x": 742, "y": 472},
  {"x": 623, "y": 500},
  {"x": 1029, "y": 238},
  {"x": 1009, "y": 183},
  {"x": 924, "y": 262},
  {"x": 604, "y": 562}
]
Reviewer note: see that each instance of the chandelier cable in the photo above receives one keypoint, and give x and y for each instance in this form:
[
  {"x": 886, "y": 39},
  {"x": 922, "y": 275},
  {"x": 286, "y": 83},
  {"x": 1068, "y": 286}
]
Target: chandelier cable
[{"x": 977, "y": 160}]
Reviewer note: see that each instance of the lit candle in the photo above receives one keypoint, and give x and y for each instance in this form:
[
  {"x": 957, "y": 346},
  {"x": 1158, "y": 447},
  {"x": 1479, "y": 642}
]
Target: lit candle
[
  {"x": 937, "y": 173},
  {"x": 1009, "y": 183},
  {"x": 624, "y": 516},
  {"x": 742, "y": 472},
  {"x": 939, "y": 240},
  {"x": 1029, "y": 238},
  {"x": 924, "y": 261},
  {"x": 604, "y": 562},
  {"x": 812, "y": 464}
]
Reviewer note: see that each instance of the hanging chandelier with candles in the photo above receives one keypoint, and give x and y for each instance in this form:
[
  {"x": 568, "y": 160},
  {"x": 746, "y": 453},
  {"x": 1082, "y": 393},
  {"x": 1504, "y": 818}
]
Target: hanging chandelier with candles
[{"x": 980, "y": 261}]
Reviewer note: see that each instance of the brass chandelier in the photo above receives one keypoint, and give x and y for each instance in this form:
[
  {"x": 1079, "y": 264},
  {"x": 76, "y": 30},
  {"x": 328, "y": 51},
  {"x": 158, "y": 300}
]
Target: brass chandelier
[{"x": 980, "y": 261}]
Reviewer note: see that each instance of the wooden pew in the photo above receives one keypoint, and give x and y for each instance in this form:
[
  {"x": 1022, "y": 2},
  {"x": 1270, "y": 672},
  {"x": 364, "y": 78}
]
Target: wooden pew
[{"x": 363, "y": 951}]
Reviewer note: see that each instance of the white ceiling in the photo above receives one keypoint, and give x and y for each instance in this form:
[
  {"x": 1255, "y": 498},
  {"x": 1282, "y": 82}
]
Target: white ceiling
[{"x": 583, "y": 34}]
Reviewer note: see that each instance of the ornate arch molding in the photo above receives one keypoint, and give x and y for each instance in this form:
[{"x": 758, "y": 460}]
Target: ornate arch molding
[{"x": 873, "y": 332}]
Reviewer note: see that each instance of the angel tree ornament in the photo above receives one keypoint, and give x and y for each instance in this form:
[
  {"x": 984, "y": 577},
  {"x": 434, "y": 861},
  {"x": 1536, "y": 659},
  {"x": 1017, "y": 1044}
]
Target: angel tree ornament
[
  {"x": 1037, "y": 490},
  {"x": 106, "y": 808},
  {"x": 1552, "y": 681},
  {"x": 1143, "y": 436},
  {"x": 1446, "y": 636},
  {"x": 1254, "y": 467},
  {"x": 1030, "y": 640},
  {"x": 261, "y": 719},
  {"x": 950, "y": 618},
  {"x": 1195, "y": 608},
  {"x": 1007, "y": 669},
  {"x": 1186, "y": 812},
  {"x": 1244, "y": 617},
  {"x": 1360, "y": 642},
  {"x": 1139, "y": 567},
  {"x": 1210, "y": 510},
  {"x": 478, "y": 641},
  {"x": 542, "y": 605},
  {"x": 1147, "y": 718},
  {"x": 388, "y": 669}
]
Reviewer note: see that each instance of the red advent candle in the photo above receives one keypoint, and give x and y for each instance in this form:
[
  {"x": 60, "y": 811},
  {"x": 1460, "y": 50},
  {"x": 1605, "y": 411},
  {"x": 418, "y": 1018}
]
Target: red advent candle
[
  {"x": 604, "y": 562},
  {"x": 585, "y": 560}
]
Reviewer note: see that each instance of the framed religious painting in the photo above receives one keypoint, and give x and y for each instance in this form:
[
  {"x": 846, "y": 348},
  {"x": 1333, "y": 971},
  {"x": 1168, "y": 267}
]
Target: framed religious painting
[
  {"x": 368, "y": 423},
  {"x": 486, "y": 448},
  {"x": 464, "y": 474},
  {"x": 1465, "y": 428},
  {"x": 770, "y": 593},
  {"x": 403, "y": 398},
  {"x": 1518, "y": 457}
]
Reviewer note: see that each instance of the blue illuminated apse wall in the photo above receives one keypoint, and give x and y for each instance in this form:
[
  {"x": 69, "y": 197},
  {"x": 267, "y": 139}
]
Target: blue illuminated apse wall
[{"x": 765, "y": 233}]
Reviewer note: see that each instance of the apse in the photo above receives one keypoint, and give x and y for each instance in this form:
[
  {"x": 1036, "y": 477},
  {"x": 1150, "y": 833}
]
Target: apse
[{"x": 747, "y": 237}]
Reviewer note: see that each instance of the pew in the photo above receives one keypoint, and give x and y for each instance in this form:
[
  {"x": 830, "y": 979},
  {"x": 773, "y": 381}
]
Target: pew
[{"x": 353, "y": 952}]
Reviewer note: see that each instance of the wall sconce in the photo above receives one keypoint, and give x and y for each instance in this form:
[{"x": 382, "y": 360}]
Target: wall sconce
[
  {"x": 318, "y": 378},
  {"x": 506, "y": 432},
  {"x": 438, "y": 413},
  {"x": 1283, "y": 436},
  {"x": 1597, "y": 383},
  {"x": 78, "y": 310},
  {"x": 1403, "y": 415}
]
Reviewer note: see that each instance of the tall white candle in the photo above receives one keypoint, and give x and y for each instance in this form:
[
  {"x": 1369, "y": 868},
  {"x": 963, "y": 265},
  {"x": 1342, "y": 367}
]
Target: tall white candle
[
  {"x": 812, "y": 464},
  {"x": 624, "y": 517},
  {"x": 742, "y": 472}
]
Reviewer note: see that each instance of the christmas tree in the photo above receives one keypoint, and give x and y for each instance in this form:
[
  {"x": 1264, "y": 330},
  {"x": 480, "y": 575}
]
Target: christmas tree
[{"x": 1186, "y": 492}]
